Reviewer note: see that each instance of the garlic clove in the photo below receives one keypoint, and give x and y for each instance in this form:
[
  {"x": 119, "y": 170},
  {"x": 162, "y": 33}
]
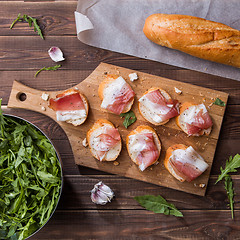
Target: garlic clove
[
  {"x": 101, "y": 194},
  {"x": 56, "y": 54}
]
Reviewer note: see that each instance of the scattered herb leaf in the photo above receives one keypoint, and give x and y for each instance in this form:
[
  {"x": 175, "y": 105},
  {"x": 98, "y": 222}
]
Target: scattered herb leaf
[
  {"x": 30, "y": 21},
  {"x": 158, "y": 204},
  {"x": 54, "y": 68},
  {"x": 219, "y": 102},
  {"x": 230, "y": 192},
  {"x": 129, "y": 118},
  {"x": 231, "y": 166},
  {"x": 30, "y": 178}
]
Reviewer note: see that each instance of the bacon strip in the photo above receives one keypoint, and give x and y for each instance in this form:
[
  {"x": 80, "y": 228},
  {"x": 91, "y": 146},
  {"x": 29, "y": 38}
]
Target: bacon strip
[
  {"x": 187, "y": 164},
  {"x": 165, "y": 108},
  {"x": 122, "y": 99},
  {"x": 109, "y": 138},
  {"x": 68, "y": 102},
  {"x": 149, "y": 152},
  {"x": 200, "y": 122}
]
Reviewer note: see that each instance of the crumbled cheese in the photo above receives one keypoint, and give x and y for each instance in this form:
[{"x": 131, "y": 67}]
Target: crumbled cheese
[
  {"x": 84, "y": 142},
  {"x": 133, "y": 77},
  {"x": 178, "y": 91},
  {"x": 45, "y": 96},
  {"x": 43, "y": 108}
]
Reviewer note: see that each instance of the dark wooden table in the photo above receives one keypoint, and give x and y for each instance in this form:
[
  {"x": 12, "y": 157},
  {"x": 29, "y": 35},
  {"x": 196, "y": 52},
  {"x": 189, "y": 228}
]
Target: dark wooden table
[{"x": 22, "y": 53}]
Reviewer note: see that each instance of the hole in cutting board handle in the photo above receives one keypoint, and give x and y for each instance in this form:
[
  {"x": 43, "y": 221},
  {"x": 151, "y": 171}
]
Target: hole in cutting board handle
[{"x": 21, "y": 96}]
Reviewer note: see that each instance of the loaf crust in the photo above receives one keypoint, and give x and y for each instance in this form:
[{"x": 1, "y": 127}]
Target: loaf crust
[{"x": 196, "y": 36}]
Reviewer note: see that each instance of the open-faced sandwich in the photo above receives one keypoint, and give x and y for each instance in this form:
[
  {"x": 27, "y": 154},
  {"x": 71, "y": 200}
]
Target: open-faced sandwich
[
  {"x": 184, "y": 163},
  {"x": 143, "y": 146},
  {"x": 194, "y": 120},
  {"x": 157, "y": 107},
  {"x": 70, "y": 106},
  {"x": 104, "y": 140},
  {"x": 116, "y": 94}
]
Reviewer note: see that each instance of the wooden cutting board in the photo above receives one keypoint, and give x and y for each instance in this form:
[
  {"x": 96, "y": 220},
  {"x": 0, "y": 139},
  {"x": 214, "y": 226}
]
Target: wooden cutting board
[{"x": 169, "y": 134}]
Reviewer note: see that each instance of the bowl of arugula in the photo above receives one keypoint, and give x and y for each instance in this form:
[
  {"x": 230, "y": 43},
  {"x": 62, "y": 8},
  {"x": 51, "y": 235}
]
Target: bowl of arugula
[{"x": 30, "y": 178}]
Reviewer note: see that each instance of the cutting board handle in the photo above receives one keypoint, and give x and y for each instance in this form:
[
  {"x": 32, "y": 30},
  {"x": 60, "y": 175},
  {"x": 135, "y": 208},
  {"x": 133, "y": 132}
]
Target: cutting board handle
[{"x": 28, "y": 98}]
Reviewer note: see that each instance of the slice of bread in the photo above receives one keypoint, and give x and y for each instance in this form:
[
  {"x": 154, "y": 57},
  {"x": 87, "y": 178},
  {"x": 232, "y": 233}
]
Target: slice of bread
[
  {"x": 75, "y": 121},
  {"x": 143, "y": 109},
  {"x": 168, "y": 155},
  {"x": 98, "y": 128},
  {"x": 138, "y": 130},
  {"x": 180, "y": 120},
  {"x": 104, "y": 85}
]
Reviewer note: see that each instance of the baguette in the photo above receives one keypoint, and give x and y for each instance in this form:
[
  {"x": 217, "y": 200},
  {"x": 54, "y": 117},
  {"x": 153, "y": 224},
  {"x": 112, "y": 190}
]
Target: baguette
[
  {"x": 148, "y": 147},
  {"x": 101, "y": 128},
  {"x": 195, "y": 36}
]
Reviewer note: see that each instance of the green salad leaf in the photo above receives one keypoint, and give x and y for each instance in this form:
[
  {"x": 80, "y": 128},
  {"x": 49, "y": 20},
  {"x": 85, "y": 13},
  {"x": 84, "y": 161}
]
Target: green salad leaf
[
  {"x": 129, "y": 118},
  {"x": 230, "y": 192},
  {"x": 30, "y": 21},
  {"x": 158, "y": 204},
  {"x": 219, "y": 102},
  {"x": 54, "y": 68},
  {"x": 30, "y": 178},
  {"x": 231, "y": 166}
]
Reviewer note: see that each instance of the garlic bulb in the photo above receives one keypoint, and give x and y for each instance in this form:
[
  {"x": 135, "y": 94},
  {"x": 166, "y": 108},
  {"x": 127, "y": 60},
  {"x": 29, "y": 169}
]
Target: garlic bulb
[
  {"x": 101, "y": 194},
  {"x": 56, "y": 54}
]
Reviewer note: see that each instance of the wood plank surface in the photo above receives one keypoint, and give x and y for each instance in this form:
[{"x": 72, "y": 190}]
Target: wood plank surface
[
  {"x": 76, "y": 194},
  {"x": 138, "y": 224},
  {"x": 169, "y": 133},
  {"x": 22, "y": 53}
]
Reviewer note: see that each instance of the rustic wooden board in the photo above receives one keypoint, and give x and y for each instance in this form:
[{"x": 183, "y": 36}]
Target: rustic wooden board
[{"x": 169, "y": 134}]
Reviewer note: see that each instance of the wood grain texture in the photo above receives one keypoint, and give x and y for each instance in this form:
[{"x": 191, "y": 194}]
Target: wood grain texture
[
  {"x": 140, "y": 224},
  {"x": 76, "y": 194},
  {"x": 169, "y": 134},
  {"x": 22, "y": 53},
  {"x": 54, "y": 18}
]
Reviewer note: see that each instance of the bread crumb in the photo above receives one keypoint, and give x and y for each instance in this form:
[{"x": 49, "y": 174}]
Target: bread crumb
[
  {"x": 116, "y": 163},
  {"x": 133, "y": 76},
  {"x": 43, "y": 108},
  {"x": 178, "y": 91},
  {"x": 45, "y": 96},
  {"x": 93, "y": 95},
  {"x": 156, "y": 163},
  {"x": 84, "y": 142},
  {"x": 210, "y": 105},
  {"x": 204, "y": 99},
  {"x": 201, "y": 94},
  {"x": 202, "y": 185}
]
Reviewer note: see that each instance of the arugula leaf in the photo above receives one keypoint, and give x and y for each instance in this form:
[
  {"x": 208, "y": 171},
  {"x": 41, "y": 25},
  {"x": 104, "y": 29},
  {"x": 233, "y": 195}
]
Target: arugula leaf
[
  {"x": 129, "y": 118},
  {"x": 30, "y": 178},
  {"x": 54, "y": 68},
  {"x": 231, "y": 166},
  {"x": 158, "y": 204},
  {"x": 219, "y": 102},
  {"x": 30, "y": 21},
  {"x": 230, "y": 192}
]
